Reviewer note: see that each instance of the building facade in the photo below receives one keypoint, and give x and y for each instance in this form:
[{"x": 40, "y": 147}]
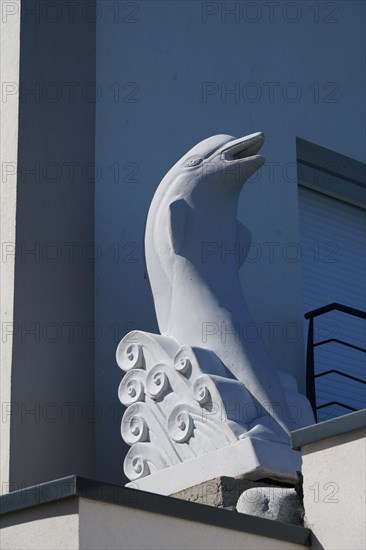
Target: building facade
[{"x": 100, "y": 99}]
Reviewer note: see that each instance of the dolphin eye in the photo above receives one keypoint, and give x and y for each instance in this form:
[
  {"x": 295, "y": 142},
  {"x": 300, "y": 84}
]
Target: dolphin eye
[
  {"x": 193, "y": 161},
  {"x": 210, "y": 153}
]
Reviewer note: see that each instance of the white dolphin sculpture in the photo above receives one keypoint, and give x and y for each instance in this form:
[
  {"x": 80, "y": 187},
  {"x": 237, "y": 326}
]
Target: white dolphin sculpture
[{"x": 198, "y": 297}]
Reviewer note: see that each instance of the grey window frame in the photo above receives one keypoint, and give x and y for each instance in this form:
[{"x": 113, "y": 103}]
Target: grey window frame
[{"x": 331, "y": 173}]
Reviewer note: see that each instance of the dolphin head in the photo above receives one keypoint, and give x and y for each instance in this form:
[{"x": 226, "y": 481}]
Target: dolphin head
[
  {"x": 200, "y": 191},
  {"x": 222, "y": 160}
]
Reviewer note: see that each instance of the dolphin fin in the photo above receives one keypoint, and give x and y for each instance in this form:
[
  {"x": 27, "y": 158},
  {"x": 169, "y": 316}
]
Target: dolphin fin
[
  {"x": 178, "y": 214},
  {"x": 244, "y": 237}
]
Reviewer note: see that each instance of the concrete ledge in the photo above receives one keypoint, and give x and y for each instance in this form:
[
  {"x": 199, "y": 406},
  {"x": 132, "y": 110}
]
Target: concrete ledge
[
  {"x": 329, "y": 428},
  {"x": 92, "y": 490},
  {"x": 334, "y": 476}
]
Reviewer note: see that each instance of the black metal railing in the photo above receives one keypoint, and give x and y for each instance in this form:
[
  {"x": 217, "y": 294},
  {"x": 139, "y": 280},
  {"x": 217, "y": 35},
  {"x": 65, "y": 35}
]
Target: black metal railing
[{"x": 310, "y": 373}]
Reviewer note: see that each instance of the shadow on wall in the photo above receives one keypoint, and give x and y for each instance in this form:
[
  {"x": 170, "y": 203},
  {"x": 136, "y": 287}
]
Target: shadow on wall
[{"x": 53, "y": 356}]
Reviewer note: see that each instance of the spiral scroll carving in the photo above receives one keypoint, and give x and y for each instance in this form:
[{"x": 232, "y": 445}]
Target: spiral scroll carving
[
  {"x": 136, "y": 466},
  {"x": 134, "y": 427},
  {"x": 201, "y": 393},
  {"x": 183, "y": 366},
  {"x": 157, "y": 382},
  {"x": 129, "y": 356},
  {"x": 132, "y": 387},
  {"x": 180, "y": 424},
  {"x": 143, "y": 459},
  {"x": 176, "y": 403}
]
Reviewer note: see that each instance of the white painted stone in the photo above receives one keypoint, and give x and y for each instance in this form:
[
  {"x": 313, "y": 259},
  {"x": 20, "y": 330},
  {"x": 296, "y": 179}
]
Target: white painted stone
[
  {"x": 276, "y": 503},
  {"x": 201, "y": 388},
  {"x": 197, "y": 293},
  {"x": 9, "y": 65},
  {"x": 87, "y": 524},
  {"x": 249, "y": 458},
  {"x": 334, "y": 471}
]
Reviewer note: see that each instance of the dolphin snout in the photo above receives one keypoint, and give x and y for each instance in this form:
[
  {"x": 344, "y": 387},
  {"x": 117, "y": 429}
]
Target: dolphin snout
[{"x": 244, "y": 147}]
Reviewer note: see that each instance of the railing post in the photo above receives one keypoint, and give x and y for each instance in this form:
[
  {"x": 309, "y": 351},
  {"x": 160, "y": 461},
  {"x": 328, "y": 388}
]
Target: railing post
[
  {"x": 310, "y": 380},
  {"x": 310, "y": 375}
]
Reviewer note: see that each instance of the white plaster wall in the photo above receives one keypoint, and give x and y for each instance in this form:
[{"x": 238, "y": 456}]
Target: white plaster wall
[
  {"x": 105, "y": 526},
  {"x": 155, "y": 61},
  {"x": 79, "y": 523},
  {"x": 49, "y": 527},
  {"x": 334, "y": 473},
  {"x": 9, "y": 65}
]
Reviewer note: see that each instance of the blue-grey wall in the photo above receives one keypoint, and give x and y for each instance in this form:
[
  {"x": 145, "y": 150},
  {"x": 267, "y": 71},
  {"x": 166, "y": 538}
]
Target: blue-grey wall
[
  {"x": 171, "y": 73},
  {"x": 52, "y": 386}
]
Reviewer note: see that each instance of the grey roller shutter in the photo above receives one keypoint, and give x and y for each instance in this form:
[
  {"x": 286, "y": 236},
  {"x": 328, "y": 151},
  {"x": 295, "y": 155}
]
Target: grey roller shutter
[{"x": 333, "y": 244}]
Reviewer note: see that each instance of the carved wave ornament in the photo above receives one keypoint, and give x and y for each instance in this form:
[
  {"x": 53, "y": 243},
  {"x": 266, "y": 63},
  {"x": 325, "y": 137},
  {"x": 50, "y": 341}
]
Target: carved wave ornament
[
  {"x": 180, "y": 407},
  {"x": 201, "y": 407},
  {"x": 176, "y": 410}
]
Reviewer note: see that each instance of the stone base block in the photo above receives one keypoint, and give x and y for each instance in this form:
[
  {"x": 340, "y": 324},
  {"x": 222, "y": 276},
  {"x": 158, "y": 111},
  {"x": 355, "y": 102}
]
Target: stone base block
[
  {"x": 275, "y": 503},
  {"x": 249, "y": 458},
  {"x": 221, "y": 492}
]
